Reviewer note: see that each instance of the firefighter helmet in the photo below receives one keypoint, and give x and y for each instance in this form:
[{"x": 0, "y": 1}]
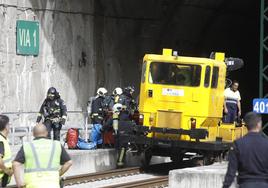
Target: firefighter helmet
[
  {"x": 51, "y": 93},
  {"x": 101, "y": 91},
  {"x": 117, "y": 91},
  {"x": 117, "y": 107}
]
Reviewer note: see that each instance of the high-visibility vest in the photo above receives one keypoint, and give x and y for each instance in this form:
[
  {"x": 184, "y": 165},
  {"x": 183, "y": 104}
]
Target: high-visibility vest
[
  {"x": 7, "y": 154},
  {"x": 42, "y": 163}
]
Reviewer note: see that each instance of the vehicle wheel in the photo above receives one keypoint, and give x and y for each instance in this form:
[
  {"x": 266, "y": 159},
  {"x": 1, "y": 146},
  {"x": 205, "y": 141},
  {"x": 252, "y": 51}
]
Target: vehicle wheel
[
  {"x": 177, "y": 159},
  {"x": 146, "y": 157},
  {"x": 208, "y": 159},
  {"x": 225, "y": 155}
]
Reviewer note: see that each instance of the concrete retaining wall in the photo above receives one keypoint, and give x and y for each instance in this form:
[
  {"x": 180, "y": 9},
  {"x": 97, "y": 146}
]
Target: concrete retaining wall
[
  {"x": 205, "y": 176},
  {"x": 89, "y": 161}
]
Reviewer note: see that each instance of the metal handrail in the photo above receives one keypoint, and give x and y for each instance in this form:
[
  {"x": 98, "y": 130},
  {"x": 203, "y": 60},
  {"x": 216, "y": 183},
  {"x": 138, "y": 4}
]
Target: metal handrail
[
  {"x": 35, "y": 112},
  {"x": 29, "y": 127}
]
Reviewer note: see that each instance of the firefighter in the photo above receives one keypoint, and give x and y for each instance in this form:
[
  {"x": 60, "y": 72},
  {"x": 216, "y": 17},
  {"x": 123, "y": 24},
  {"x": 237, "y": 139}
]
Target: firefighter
[
  {"x": 97, "y": 116},
  {"x": 110, "y": 127},
  {"x": 111, "y": 100},
  {"x": 117, "y": 93},
  {"x": 129, "y": 105},
  {"x": 117, "y": 108},
  {"x": 44, "y": 161},
  {"x": 5, "y": 152},
  {"x": 117, "y": 112},
  {"x": 108, "y": 130},
  {"x": 232, "y": 104},
  {"x": 109, "y": 103},
  {"x": 54, "y": 112}
]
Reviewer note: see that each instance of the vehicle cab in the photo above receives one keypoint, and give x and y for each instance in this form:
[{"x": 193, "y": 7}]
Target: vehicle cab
[{"x": 182, "y": 93}]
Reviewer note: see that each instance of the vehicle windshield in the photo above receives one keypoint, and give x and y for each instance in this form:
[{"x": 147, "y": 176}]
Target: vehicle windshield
[{"x": 174, "y": 74}]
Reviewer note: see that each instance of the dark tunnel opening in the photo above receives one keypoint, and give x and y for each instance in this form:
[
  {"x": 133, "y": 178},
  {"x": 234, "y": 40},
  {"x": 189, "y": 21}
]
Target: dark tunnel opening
[
  {"x": 125, "y": 30},
  {"x": 195, "y": 28}
]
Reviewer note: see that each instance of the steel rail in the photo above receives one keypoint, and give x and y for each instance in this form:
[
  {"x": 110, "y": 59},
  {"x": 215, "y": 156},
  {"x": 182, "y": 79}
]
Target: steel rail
[
  {"x": 161, "y": 181},
  {"x": 84, "y": 178},
  {"x": 98, "y": 176}
]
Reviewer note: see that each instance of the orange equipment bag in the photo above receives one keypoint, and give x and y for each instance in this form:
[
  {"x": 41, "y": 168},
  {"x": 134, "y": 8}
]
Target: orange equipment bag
[
  {"x": 72, "y": 138},
  {"x": 108, "y": 138}
]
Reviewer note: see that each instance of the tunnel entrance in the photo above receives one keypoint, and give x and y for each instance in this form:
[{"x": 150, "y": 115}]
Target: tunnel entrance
[{"x": 88, "y": 44}]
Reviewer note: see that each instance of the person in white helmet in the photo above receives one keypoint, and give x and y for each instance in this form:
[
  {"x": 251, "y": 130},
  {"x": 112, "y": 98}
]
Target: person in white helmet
[
  {"x": 117, "y": 93},
  {"x": 97, "y": 116},
  {"x": 108, "y": 129}
]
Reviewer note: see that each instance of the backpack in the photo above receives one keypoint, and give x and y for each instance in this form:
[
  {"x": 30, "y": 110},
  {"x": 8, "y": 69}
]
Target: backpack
[
  {"x": 84, "y": 145},
  {"x": 72, "y": 138}
]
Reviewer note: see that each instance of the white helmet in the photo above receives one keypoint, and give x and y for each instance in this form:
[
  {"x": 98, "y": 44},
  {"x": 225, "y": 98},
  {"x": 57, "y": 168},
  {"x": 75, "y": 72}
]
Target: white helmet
[
  {"x": 101, "y": 91},
  {"x": 117, "y": 107},
  {"x": 117, "y": 91}
]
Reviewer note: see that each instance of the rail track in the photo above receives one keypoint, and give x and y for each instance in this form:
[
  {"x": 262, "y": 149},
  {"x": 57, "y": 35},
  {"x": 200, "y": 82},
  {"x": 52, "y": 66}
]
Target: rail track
[
  {"x": 148, "y": 183},
  {"x": 85, "y": 178},
  {"x": 160, "y": 181},
  {"x": 98, "y": 176}
]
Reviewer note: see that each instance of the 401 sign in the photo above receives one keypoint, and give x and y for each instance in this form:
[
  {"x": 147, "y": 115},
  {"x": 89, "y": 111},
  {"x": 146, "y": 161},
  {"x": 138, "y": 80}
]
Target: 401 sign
[
  {"x": 260, "y": 106},
  {"x": 27, "y": 37}
]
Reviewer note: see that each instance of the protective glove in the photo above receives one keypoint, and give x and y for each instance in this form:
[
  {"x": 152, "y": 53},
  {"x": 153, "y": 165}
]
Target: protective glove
[
  {"x": 62, "y": 122},
  {"x": 38, "y": 119}
]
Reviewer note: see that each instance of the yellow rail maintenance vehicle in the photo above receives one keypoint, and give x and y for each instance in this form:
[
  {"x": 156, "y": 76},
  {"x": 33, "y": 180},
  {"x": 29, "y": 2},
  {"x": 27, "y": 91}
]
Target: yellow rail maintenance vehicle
[{"x": 181, "y": 108}]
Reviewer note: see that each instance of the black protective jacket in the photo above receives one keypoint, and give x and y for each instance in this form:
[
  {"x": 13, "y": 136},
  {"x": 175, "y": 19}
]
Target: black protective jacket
[
  {"x": 97, "y": 110},
  {"x": 51, "y": 109},
  {"x": 248, "y": 156},
  {"x": 127, "y": 102}
]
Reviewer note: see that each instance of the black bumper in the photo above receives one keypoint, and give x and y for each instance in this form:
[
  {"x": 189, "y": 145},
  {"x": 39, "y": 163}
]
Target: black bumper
[
  {"x": 181, "y": 144},
  {"x": 130, "y": 133}
]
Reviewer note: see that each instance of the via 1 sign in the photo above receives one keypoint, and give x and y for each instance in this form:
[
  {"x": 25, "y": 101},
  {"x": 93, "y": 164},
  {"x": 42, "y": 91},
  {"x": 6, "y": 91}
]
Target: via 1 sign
[
  {"x": 260, "y": 106},
  {"x": 27, "y": 37}
]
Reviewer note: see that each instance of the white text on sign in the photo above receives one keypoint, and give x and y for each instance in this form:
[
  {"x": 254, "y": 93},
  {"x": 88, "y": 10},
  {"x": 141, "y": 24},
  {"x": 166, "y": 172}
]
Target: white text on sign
[{"x": 25, "y": 39}]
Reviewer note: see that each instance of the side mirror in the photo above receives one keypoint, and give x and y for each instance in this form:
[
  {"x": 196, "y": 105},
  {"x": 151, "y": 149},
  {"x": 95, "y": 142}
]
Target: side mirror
[{"x": 233, "y": 63}]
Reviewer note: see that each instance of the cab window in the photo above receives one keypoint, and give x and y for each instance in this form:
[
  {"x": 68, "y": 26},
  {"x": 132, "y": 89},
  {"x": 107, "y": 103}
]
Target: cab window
[
  {"x": 143, "y": 72},
  {"x": 207, "y": 76},
  {"x": 174, "y": 74},
  {"x": 215, "y": 76}
]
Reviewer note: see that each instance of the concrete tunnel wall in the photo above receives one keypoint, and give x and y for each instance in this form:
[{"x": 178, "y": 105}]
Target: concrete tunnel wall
[
  {"x": 63, "y": 37},
  {"x": 112, "y": 44},
  {"x": 114, "y": 36}
]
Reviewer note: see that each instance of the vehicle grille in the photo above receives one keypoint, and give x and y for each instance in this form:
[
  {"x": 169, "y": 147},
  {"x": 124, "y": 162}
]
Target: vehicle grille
[{"x": 167, "y": 119}]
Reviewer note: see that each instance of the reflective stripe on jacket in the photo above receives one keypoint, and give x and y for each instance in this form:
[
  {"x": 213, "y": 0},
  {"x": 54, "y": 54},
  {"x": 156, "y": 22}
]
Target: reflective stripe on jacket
[
  {"x": 7, "y": 154},
  {"x": 42, "y": 163}
]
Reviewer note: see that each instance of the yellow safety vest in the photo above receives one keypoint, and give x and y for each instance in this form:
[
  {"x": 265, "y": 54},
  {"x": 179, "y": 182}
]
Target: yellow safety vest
[
  {"x": 42, "y": 163},
  {"x": 7, "y": 154}
]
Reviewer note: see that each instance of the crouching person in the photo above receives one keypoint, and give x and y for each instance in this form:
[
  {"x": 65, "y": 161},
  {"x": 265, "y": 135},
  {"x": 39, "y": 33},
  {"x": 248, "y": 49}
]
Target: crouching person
[{"x": 44, "y": 160}]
